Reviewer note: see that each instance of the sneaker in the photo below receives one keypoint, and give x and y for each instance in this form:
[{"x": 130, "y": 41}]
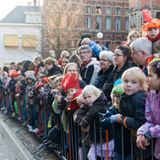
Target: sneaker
[
  {"x": 13, "y": 115},
  {"x": 35, "y": 130},
  {"x": 3, "y": 109}
]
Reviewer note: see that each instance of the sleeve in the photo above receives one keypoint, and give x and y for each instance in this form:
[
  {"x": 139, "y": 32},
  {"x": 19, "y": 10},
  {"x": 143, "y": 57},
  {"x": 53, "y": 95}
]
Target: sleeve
[
  {"x": 148, "y": 115},
  {"x": 96, "y": 69},
  {"x": 139, "y": 117},
  {"x": 91, "y": 115},
  {"x": 105, "y": 121}
]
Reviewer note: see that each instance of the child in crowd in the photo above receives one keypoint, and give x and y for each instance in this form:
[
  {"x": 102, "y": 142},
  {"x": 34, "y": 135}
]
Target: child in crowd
[
  {"x": 112, "y": 114},
  {"x": 131, "y": 112},
  {"x": 131, "y": 37},
  {"x": 151, "y": 128},
  {"x": 92, "y": 102}
]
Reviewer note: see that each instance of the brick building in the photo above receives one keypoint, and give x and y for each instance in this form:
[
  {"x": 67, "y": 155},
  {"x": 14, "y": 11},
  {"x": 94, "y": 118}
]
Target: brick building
[
  {"x": 136, "y": 19},
  {"x": 106, "y": 16}
]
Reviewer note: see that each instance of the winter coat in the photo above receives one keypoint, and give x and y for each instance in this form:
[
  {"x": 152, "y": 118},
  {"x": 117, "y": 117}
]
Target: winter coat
[
  {"x": 118, "y": 73},
  {"x": 152, "y": 115},
  {"x": 90, "y": 71},
  {"x": 132, "y": 108},
  {"x": 54, "y": 70},
  {"x": 104, "y": 81},
  {"x": 88, "y": 116}
]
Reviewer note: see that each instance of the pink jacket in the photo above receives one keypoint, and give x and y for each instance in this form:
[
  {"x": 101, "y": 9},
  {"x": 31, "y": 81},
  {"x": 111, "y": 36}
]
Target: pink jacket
[{"x": 152, "y": 115}]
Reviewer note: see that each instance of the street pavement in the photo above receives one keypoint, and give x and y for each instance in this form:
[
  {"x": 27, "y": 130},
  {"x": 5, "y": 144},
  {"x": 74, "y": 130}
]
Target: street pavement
[{"x": 16, "y": 143}]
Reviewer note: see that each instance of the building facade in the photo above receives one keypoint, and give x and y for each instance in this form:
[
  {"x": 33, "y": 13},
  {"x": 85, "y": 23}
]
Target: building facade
[
  {"x": 106, "y": 16},
  {"x": 136, "y": 6},
  {"x": 20, "y": 35}
]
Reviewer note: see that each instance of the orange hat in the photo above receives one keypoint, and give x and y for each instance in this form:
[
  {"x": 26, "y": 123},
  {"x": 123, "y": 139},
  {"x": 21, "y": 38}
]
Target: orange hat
[
  {"x": 149, "y": 21},
  {"x": 70, "y": 81},
  {"x": 14, "y": 73}
]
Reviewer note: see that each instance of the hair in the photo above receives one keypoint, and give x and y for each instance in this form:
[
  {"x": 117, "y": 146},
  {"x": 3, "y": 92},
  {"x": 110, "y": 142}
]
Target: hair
[
  {"x": 133, "y": 33},
  {"x": 64, "y": 53},
  {"x": 126, "y": 51},
  {"x": 70, "y": 64},
  {"x": 49, "y": 60},
  {"x": 38, "y": 58},
  {"x": 76, "y": 59},
  {"x": 84, "y": 47},
  {"x": 155, "y": 67},
  {"x": 136, "y": 73},
  {"x": 142, "y": 44},
  {"x": 91, "y": 90},
  {"x": 86, "y": 41}
]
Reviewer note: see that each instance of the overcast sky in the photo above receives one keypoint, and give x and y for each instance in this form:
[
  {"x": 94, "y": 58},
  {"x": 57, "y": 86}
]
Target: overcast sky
[{"x": 7, "y": 5}]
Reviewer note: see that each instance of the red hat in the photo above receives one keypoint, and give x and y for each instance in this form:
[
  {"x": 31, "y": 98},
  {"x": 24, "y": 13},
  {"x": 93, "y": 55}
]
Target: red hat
[
  {"x": 70, "y": 81},
  {"x": 45, "y": 80},
  {"x": 14, "y": 73}
]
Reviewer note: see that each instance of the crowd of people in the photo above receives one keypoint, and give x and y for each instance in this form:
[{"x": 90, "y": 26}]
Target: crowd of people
[{"x": 107, "y": 101}]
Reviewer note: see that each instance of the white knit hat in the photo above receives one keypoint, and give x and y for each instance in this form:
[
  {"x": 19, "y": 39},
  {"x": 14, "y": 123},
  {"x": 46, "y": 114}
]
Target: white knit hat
[{"x": 109, "y": 55}]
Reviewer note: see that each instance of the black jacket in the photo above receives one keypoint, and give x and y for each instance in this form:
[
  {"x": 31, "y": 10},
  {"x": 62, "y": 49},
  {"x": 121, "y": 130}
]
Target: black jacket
[{"x": 133, "y": 109}]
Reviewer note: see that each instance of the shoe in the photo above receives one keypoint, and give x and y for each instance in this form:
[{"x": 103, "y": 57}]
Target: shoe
[
  {"x": 13, "y": 115},
  {"x": 5, "y": 112},
  {"x": 30, "y": 129},
  {"x": 35, "y": 130},
  {"x": 3, "y": 109}
]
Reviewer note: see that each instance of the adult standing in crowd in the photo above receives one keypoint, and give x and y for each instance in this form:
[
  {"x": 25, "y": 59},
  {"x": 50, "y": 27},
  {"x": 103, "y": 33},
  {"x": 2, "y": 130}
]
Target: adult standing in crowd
[
  {"x": 90, "y": 66},
  {"x": 122, "y": 60},
  {"x": 142, "y": 52},
  {"x": 52, "y": 67},
  {"x": 105, "y": 75}
]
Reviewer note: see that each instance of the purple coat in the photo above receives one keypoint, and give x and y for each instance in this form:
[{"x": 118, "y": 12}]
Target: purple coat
[{"x": 152, "y": 115}]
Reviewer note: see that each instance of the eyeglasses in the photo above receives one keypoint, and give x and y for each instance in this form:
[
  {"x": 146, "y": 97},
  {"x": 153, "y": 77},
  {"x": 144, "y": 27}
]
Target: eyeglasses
[
  {"x": 104, "y": 60},
  {"x": 118, "y": 55},
  {"x": 83, "y": 51},
  {"x": 135, "y": 52}
]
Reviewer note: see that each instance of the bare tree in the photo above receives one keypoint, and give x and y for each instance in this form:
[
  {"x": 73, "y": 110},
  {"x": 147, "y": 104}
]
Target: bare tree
[{"x": 61, "y": 18}]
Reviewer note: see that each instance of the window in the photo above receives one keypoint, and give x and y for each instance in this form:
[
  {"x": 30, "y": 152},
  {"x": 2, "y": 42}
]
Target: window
[
  {"x": 88, "y": 9},
  {"x": 127, "y": 24},
  {"x": 98, "y": 22},
  {"x": 158, "y": 15},
  {"x": 108, "y": 10},
  {"x": 108, "y": 23},
  {"x": 118, "y": 23},
  {"x": 118, "y": 11},
  {"x": 88, "y": 22},
  {"x": 11, "y": 40},
  {"x": 29, "y": 41},
  {"x": 127, "y": 11}
]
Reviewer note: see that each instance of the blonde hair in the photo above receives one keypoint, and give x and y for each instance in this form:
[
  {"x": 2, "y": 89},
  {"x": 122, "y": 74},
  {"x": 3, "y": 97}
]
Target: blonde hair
[
  {"x": 91, "y": 90},
  {"x": 133, "y": 33},
  {"x": 137, "y": 74}
]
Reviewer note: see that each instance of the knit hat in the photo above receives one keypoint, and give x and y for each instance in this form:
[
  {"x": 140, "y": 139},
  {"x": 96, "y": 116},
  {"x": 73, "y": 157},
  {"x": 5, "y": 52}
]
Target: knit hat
[
  {"x": 109, "y": 55},
  {"x": 30, "y": 75},
  {"x": 14, "y": 73},
  {"x": 70, "y": 81},
  {"x": 118, "y": 87}
]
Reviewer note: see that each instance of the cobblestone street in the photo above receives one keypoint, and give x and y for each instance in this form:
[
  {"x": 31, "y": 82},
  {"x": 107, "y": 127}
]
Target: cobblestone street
[{"x": 16, "y": 143}]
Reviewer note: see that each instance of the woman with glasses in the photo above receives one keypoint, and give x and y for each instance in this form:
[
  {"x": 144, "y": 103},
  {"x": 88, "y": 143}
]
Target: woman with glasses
[{"x": 123, "y": 61}]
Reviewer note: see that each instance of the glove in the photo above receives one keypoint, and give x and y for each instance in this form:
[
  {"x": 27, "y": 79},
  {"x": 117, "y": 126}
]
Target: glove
[{"x": 117, "y": 118}]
